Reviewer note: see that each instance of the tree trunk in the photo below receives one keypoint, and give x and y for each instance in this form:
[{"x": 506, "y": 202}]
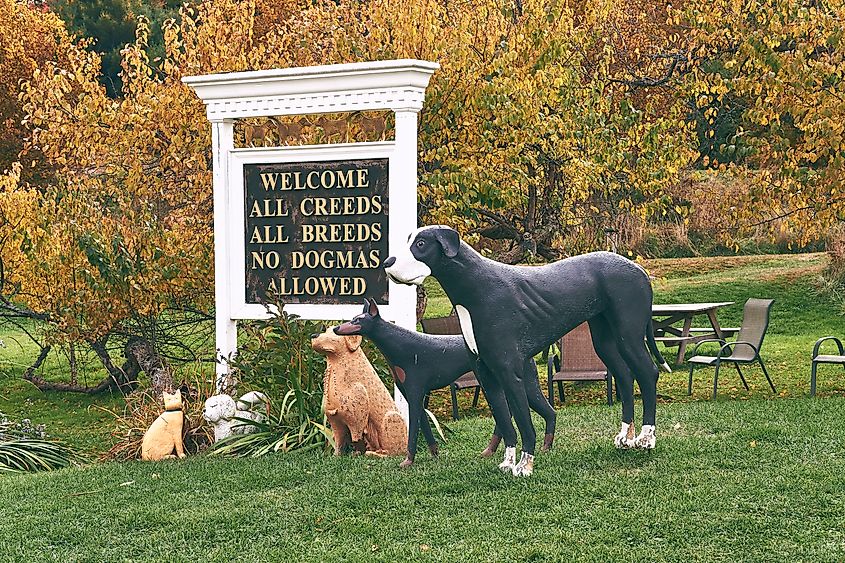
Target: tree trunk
[
  {"x": 151, "y": 363},
  {"x": 74, "y": 368},
  {"x": 140, "y": 356},
  {"x": 72, "y": 387},
  {"x": 124, "y": 378}
]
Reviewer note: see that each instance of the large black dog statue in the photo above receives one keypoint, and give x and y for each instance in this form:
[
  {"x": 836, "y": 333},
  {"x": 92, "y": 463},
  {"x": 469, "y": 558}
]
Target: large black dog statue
[
  {"x": 423, "y": 362},
  {"x": 510, "y": 313}
]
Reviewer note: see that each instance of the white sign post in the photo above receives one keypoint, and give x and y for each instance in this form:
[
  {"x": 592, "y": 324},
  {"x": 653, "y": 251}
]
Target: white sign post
[{"x": 396, "y": 85}]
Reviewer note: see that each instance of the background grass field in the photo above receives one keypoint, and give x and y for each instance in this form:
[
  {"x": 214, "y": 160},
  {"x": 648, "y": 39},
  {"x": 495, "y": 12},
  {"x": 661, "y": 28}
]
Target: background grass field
[{"x": 743, "y": 478}]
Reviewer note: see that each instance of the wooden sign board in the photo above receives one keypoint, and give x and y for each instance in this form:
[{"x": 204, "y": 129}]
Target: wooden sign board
[{"x": 316, "y": 232}]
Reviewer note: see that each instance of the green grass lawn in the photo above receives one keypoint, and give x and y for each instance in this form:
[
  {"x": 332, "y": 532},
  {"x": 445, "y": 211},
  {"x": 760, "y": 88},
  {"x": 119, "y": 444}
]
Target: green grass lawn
[
  {"x": 743, "y": 478},
  {"x": 753, "y": 480}
]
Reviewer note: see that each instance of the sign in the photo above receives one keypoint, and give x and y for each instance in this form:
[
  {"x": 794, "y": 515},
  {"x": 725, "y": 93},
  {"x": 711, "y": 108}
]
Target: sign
[
  {"x": 316, "y": 232},
  {"x": 310, "y": 224}
]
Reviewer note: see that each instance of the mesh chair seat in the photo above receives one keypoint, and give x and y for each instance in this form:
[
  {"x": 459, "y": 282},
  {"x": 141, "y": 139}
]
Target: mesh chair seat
[
  {"x": 578, "y": 361},
  {"x": 451, "y": 325},
  {"x": 828, "y": 359}
]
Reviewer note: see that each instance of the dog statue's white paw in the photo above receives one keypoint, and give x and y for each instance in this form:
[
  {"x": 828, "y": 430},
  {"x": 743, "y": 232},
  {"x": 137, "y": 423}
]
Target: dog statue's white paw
[
  {"x": 646, "y": 440},
  {"x": 525, "y": 467},
  {"x": 509, "y": 461},
  {"x": 625, "y": 438}
]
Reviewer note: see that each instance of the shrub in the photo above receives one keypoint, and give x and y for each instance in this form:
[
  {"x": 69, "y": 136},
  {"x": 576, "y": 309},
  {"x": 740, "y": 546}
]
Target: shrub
[{"x": 276, "y": 357}]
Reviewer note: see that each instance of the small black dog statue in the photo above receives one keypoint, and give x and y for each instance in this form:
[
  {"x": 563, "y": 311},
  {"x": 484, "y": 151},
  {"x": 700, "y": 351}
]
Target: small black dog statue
[{"x": 423, "y": 362}]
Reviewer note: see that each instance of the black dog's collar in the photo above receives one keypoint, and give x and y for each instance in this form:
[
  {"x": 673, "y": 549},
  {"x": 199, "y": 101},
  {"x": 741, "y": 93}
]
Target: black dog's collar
[{"x": 173, "y": 410}]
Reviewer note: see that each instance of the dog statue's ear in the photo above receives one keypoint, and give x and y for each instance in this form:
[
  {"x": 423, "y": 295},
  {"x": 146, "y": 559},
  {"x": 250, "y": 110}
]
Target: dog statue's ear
[
  {"x": 373, "y": 308},
  {"x": 352, "y": 342},
  {"x": 366, "y": 305},
  {"x": 449, "y": 240}
]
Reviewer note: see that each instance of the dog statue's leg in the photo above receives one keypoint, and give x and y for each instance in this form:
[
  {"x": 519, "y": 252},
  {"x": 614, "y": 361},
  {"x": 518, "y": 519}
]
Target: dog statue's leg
[
  {"x": 501, "y": 413},
  {"x": 646, "y": 440},
  {"x": 625, "y": 438},
  {"x": 540, "y": 404},
  {"x": 341, "y": 435},
  {"x": 355, "y": 409},
  {"x": 525, "y": 467},
  {"x": 509, "y": 462},
  {"x": 607, "y": 348},
  {"x": 512, "y": 376},
  {"x": 425, "y": 424},
  {"x": 493, "y": 445},
  {"x": 647, "y": 380},
  {"x": 415, "y": 414}
]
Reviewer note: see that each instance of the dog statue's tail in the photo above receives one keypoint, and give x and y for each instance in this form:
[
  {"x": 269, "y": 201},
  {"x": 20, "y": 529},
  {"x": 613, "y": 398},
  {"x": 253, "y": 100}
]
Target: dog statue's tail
[{"x": 652, "y": 347}]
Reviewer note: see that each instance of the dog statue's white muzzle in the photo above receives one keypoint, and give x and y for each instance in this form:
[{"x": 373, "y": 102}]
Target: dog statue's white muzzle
[{"x": 406, "y": 269}]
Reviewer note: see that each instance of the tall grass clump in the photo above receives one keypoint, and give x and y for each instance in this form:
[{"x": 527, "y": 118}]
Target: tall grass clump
[
  {"x": 834, "y": 276},
  {"x": 141, "y": 408}
]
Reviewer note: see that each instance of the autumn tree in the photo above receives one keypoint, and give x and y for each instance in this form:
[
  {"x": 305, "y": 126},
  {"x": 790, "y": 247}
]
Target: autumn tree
[
  {"x": 525, "y": 134},
  {"x": 546, "y": 123},
  {"x": 110, "y": 26},
  {"x": 30, "y": 36},
  {"x": 768, "y": 80}
]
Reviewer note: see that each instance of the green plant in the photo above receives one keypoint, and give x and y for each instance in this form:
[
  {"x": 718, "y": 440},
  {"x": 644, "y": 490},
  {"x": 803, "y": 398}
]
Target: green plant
[
  {"x": 291, "y": 427},
  {"x": 24, "y": 448},
  {"x": 276, "y": 357}
]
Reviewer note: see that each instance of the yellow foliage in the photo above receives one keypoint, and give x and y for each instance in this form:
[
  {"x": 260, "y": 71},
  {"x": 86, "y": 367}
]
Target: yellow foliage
[
  {"x": 781, "y": 63},
  {"x": 29, "y": 37}
]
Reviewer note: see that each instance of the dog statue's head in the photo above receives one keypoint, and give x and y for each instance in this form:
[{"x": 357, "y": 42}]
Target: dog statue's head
[
  {"x": 329, "y": 343},
  {"x": 218, "y": 407},
  {"x": 360, "y": 324},
  {"x": 428, "y": 247}
]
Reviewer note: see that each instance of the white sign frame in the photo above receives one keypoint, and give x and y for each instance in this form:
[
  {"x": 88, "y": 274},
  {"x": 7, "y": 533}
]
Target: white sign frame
[{"x": 395, "y": 85}]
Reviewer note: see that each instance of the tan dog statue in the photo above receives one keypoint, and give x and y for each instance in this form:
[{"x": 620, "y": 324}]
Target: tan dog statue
[
  {"x": 358, "y": 406},
  {"x": 165, "y": 433}
]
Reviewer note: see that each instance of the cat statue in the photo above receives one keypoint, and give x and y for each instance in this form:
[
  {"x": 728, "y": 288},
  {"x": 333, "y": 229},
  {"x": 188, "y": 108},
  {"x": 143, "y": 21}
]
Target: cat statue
[{"x": 165, "y": 433}]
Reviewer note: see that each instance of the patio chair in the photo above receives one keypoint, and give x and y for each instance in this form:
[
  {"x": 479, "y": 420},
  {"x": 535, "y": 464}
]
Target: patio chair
[
  {"x": 451, "y": 325},
  {"x": 825, "y": 359},
  {"x": 744, "y": 350},
  {"x": 577, "y": 362}
]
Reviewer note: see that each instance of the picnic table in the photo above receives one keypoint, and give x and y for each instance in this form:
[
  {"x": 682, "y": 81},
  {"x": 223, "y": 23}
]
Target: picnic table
[{"x": 665, "y": 317}]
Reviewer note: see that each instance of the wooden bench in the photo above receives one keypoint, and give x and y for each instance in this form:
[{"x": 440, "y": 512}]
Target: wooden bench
[{"x": 825, "y": 359}]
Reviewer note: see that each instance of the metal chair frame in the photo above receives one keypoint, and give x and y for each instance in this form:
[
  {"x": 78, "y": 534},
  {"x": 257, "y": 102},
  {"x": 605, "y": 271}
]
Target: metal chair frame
[
  {"x": 727, "y": 355},
  {"x": 826, "y": 359}
]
